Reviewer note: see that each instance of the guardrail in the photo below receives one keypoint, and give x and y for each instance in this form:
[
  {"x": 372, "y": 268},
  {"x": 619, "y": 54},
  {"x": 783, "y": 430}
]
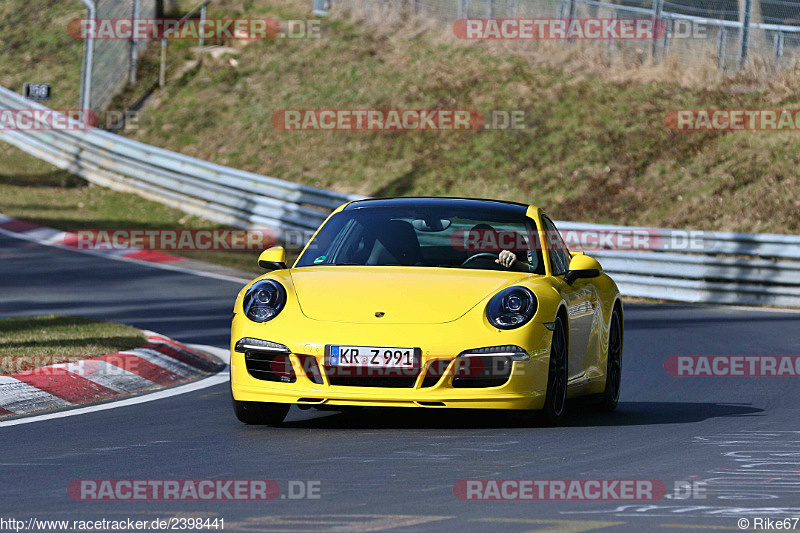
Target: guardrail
[
  {"x": 218, "y": 193},
  {"x": 724, "y": 267},
  {"x": 734, "y": 268}
]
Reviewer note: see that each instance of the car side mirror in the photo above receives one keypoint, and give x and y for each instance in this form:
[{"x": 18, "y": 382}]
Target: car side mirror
[
  {"x": 273, "y": 258},
  {"x": 582, "y": 266}
]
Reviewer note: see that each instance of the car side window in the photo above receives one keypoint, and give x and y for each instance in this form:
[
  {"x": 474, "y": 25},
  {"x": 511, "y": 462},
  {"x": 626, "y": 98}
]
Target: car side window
[
  {"x": 533, "y": 253},
  {"x": 556, "y": 248}
]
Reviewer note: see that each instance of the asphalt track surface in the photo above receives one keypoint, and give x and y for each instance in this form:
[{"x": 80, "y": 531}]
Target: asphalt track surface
[{"x": 395, "y": 469}]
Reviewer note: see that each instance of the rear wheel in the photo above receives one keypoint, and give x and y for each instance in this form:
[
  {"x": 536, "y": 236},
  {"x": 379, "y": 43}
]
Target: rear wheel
[
  {"x": 260, "y": 413},
  {"x": 556, "y": 397},
  {"x": 610, "y": 397}
]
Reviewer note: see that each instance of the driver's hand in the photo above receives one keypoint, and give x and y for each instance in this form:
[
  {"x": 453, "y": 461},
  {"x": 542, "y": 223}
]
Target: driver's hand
[{"x": 507, "y": 259}]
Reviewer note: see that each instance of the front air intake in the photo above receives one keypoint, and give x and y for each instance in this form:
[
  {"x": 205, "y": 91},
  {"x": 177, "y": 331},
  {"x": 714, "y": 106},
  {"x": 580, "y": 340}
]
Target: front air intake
[
  {"x": 482, "y": 371},
  {"x": 269, "y": 366}
]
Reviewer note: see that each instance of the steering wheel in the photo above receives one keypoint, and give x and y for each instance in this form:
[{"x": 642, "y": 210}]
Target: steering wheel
[{"x": 480, "y": 255}]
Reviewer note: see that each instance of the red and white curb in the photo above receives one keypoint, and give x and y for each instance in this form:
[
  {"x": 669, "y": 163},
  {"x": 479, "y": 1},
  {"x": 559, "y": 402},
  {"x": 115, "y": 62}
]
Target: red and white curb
[{"x": 161, "y": 362}]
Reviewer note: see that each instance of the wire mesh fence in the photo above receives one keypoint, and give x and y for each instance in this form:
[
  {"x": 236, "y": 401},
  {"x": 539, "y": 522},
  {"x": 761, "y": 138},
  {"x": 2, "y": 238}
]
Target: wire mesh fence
[
  {"x": 113, "y": 61},
  {"x": 725, "y": 32}
]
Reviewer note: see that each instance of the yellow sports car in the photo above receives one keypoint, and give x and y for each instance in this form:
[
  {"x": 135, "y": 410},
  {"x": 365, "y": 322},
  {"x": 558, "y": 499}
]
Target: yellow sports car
[{"x": 432, "y": 303}]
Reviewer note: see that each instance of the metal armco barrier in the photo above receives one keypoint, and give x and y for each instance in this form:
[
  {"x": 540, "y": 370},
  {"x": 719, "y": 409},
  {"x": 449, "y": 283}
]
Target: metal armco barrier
[
  {"x": 732, "y": 268},
  {"x": 725, "y": 267},
  {"x": 218, "y": 193}
]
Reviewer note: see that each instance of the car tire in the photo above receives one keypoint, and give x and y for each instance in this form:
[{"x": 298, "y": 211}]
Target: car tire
[
  {"x": 260, "y": 413},
  {"x": 610, "y": 396},
  {"x": 556, "y": 396}
]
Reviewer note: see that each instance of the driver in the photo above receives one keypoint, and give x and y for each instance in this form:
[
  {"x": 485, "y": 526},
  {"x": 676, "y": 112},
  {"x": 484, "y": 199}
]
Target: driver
[{"x": 505, "y": 258}]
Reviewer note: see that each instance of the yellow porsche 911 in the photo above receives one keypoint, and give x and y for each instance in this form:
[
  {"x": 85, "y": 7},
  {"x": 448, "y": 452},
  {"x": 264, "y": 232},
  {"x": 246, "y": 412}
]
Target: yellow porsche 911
[{"x": 428, "y": 303}]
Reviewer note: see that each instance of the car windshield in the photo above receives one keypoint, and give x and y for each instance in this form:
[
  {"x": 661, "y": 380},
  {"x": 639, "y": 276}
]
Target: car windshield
[{"x": 425, "y": 237}]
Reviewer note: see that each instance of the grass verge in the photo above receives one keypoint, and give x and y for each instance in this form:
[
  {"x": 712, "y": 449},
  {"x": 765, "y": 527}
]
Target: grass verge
[
  {"x": 33, "y": 190},
  {"x": 60, "y": 339},
  {"x": 594, "y": 148},
  {"x": 36, "y": 48}
]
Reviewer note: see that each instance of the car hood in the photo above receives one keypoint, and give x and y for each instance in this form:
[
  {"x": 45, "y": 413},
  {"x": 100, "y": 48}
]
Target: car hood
[{"x": 405, "y": 295}]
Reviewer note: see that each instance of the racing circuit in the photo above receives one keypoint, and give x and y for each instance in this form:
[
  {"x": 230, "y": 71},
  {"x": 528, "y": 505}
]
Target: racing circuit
[
  {"x": 362, "y": 132},
  {"x": 396, "y": 469}
]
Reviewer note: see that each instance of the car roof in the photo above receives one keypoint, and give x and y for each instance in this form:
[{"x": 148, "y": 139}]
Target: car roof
[{"x": 444, "y": 202}]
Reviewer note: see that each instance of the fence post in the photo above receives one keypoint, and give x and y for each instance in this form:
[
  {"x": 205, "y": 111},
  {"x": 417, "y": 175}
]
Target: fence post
[
  {"x": 88, "y": 59},
  {"x": 658, "y": 9},
  {"x": 462, "y": 9},
  {"x": 609, "y": 41},
  {"x": 778, "y": 44},
  {"x": 491, "y": 10},
  {"x": 745, "y": 44},
  {"x": 203, "y": 11},
  {"x": 134, "y": 46},
  {"x": 722, "y": 46},
  {"x": 512, "y": 7},
  {"x": 570, "y": 17},
  {"x": 162, "y": 71}
]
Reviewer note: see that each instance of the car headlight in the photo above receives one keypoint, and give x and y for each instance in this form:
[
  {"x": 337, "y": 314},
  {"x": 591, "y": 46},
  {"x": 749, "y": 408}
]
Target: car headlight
[
  {"x": 511, "y": 308},
  {"x": 264, "y": 300}
]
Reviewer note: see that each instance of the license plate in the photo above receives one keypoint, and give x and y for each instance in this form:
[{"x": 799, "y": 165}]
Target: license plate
[{"x": 372, "y": 356}]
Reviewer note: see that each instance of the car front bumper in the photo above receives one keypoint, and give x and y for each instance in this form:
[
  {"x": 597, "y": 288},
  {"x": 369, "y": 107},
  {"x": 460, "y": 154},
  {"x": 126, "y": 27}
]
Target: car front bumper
[{"x": 439, "y": 345}]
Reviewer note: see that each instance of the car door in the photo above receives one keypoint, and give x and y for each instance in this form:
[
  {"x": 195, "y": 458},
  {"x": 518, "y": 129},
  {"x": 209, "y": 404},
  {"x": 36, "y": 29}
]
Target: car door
[{"x": 581, "y": 300}]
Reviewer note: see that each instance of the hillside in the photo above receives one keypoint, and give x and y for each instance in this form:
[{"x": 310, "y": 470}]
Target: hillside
[{"x": 595, "y": 147}]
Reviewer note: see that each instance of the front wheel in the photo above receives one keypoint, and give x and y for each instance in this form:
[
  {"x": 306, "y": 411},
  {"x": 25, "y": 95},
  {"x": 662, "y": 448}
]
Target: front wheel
[
  {"x": 610, "y": 397},
  {"x": 260, "y": 413},
  {"x": 556, "y": 396}
]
